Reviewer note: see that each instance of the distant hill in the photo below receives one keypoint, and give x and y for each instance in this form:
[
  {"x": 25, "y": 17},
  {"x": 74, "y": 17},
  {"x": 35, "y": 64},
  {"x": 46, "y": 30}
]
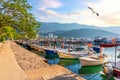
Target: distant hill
[
  {"x": 82, "y": 33},
  {"x": 114, "y": 29},
  {"x": 50, "y": 27}
]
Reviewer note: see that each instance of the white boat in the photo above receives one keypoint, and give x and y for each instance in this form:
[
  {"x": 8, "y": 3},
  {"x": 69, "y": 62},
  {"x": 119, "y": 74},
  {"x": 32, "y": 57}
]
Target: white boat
[
  {"x": 93, "y": 60},
  {"x": 65, "y": 53}
]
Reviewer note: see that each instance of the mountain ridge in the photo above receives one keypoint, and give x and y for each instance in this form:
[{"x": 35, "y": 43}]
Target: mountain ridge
[
  {"x": 50, "y": 27},
  {"x": 54, "y": 26},
  {"x": 82, "y": 33}
]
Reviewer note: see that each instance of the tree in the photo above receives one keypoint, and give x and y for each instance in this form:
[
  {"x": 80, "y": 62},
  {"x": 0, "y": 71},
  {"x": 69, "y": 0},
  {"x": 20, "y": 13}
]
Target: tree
[
  {"x": 8, "y": 32},
  {"x": 15, "y": 13}
]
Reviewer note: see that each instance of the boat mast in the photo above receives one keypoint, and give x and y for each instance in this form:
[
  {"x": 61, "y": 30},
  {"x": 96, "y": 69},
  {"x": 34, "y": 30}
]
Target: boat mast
[
  {"x": 115, "y": 55},
  {"x": 114, "y": 42}
]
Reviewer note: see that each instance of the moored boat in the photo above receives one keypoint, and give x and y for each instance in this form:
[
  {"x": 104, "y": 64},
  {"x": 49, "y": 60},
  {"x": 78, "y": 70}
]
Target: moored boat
[
  {"x": 116, "y": 72},
  {"x": 116, "y": 69},
  {"x": 50, "y": 51},
  {"x": 93, "y": 60},
  {"x": 74, "y": 54},
  {"x": 65, "y": 55},
  {"x": 97, "y": 49}
]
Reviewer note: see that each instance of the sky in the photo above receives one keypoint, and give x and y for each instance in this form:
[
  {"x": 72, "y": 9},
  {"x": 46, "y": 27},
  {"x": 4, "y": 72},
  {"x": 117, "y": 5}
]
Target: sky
[{"x": 76, "y": 11}]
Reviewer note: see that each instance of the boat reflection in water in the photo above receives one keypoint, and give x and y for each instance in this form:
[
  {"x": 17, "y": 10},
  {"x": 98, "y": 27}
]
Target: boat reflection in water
[
  {"x": 53, "y": 61},
  {"x": 88, "y": 72},
  {"x": 91, "y": 72},
  {"x": 52, "y": 58},
  {"x": 72, "y": 64}
]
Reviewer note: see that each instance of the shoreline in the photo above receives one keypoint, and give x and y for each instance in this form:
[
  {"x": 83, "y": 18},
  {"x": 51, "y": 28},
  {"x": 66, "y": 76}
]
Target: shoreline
[{"x": 34, "y": 66}]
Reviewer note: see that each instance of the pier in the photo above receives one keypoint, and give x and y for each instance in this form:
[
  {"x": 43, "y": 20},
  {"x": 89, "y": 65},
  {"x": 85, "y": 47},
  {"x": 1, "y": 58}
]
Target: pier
[{"x": 18, "y": 63}]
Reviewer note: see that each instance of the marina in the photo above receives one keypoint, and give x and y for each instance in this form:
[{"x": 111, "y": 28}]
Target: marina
[{"x": 71, "y": 60}]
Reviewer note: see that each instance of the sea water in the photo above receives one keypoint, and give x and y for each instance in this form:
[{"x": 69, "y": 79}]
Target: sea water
[{"x": 89, "y": 73}]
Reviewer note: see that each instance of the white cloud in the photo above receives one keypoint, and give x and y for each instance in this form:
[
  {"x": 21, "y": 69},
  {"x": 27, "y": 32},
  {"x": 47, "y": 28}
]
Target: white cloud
[
  {"x": 48, "y": 12},
  {"x": 44, "y": 4},
  {"x": 108, "y": 10},
  {"x": 42, "y": 10},
  {"x": 112, "y": 18}
]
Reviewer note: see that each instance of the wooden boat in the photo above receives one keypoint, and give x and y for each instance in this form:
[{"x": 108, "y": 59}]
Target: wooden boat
[
  {"x": 74, "y": 54},
  {"x": 65, "y": 55},
  {"x": 93, "y": 60}
]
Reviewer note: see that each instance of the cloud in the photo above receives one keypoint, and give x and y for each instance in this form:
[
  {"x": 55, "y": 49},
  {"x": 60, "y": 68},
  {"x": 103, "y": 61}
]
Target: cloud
[
  {"x": 109, "y": 14},
  {"x": 48, "y": 12},
  {"x": 82, "y": 17},
  {"x": 42, "y": 9},
  {"x": 112, "y": 18},
  {"x": 108, "y": 10},
  {"x": 44, "y": 4}
]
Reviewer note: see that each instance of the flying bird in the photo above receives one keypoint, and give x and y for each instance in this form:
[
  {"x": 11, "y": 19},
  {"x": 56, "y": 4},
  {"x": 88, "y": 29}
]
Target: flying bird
[{"x": 93, "y": 11}]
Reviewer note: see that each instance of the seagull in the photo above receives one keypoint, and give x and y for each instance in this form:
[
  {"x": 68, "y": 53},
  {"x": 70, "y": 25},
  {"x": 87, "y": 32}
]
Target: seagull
[{"x": 93, "y": 11}]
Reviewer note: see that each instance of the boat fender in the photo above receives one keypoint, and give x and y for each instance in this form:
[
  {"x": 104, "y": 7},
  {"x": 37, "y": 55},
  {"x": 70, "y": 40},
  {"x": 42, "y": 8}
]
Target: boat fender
[{"x": 107, "y": 69}]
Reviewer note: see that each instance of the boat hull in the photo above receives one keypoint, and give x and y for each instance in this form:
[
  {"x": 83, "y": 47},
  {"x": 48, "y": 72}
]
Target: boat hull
[
  {"x": 89, "y": 61},
  {"x": 47, "y": 51},
  {"x": 116, "y": 72},
  {"x": 96, "y": 49},
  {"x": 65, "y": 55},
  {"x": 51, "y": 54}
]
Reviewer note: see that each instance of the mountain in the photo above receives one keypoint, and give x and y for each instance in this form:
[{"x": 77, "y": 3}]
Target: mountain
[
  {"x": 114, "y": 29},
  {"x": 77, "y": 30},
  {"x": 82, "y": 33},
  {"x": 50, "y": 27},
  {"x": 53, "y": 26}
]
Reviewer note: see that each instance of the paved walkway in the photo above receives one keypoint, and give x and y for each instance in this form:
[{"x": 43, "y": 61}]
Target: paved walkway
[
  {"x": 17, "y": 63},
  {"x": 9, "y": 68}
]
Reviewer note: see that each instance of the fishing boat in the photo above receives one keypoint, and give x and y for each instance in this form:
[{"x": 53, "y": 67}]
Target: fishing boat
[
  {"x": 97, "y": 49},
  {"x": 116, "y": 71},
  {"x": 66, "y": 55},
  {"x": 50, "y": 51},
  {"x": 93, "y": 60}
]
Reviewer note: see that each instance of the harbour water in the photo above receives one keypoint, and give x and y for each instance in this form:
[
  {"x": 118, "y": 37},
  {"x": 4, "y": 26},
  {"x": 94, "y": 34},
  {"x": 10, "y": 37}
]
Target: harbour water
[
  {"x": 89, "y": 73},
  {"x": 111, "y": 53}
]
